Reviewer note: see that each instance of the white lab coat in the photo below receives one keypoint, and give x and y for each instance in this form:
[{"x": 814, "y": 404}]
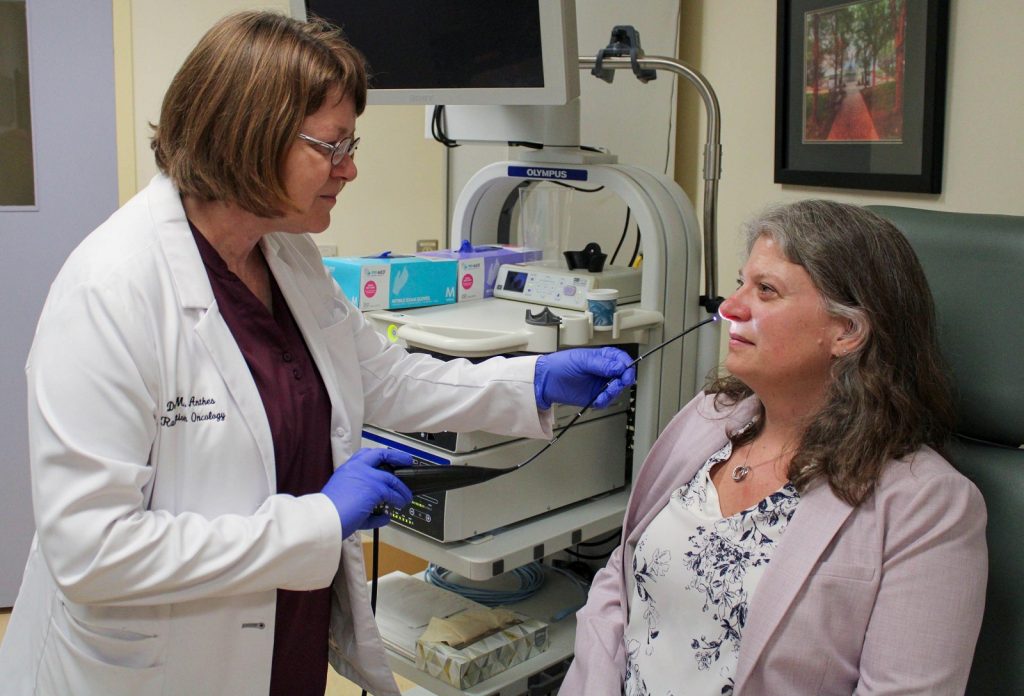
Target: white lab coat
[{"x": 160, "y": 539}]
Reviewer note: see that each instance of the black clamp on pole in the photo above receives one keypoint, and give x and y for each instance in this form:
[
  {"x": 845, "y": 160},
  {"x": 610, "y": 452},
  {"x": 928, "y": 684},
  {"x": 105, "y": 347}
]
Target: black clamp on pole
[
  {"x": 711, "y": 304},
  {"x": 625, "y": 41}
]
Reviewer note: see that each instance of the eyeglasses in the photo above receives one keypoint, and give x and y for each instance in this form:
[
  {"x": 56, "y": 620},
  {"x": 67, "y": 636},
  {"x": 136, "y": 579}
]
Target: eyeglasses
[{"x": 338, "y": 151}]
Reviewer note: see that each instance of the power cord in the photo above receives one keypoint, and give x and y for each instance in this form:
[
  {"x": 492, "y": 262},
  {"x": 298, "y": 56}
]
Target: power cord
[
  {"x": 437, "y": 127},
  {"x": 582, "y": 585},
  {"x": 601, "y": 542},
  {"x": 375, "y": 567},
  {"x": 574, "y": 188},
  {"x": 622, "y": 238},
  {"x": 636, "y": 249},
  {"x": 579, "y": 555}
]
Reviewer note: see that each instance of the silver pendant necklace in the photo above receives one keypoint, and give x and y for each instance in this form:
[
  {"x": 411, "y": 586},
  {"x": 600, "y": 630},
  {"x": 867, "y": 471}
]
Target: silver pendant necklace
[{"x": 740, "y": 471}]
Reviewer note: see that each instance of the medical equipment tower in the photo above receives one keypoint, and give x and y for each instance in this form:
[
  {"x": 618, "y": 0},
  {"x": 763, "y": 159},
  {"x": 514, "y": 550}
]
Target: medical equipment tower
[{"x": 486, "y": 530}]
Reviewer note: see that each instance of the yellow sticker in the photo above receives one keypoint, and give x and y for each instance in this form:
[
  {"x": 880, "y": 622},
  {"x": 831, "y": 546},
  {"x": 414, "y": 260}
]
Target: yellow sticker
[{"x": 393, "y": 333}]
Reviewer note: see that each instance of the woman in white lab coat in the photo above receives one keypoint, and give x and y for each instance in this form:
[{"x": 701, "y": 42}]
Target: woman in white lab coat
[{"x": 196, "y": 379}]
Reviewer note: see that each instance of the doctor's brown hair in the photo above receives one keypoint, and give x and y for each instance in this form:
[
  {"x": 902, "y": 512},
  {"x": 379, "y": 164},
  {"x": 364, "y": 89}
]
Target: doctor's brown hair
[
  {"x": 888, "y": 396},
  {"x": 235, "y": 106}
]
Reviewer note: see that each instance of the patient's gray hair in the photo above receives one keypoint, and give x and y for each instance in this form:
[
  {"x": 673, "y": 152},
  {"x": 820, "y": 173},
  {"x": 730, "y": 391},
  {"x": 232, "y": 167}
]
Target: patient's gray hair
[
  {"x": 806, "y": 233},
  {"x": 890, "y": 395}
]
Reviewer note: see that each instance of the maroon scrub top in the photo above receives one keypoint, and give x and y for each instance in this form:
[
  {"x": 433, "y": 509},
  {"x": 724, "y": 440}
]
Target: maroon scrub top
[{"x": 299, "y": 413}]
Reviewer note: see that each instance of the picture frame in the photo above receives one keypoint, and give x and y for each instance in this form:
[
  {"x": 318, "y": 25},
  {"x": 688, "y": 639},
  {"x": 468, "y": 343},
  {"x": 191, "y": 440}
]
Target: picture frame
[{"x": 860, "y": 93}]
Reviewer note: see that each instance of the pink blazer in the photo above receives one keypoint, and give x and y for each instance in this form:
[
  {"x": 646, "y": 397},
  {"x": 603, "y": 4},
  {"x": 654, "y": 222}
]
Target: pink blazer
[{"x": 884, "y": 598}]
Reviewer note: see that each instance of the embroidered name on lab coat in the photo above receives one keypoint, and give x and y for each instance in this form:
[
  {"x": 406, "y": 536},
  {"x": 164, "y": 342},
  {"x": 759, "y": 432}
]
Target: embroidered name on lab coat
[{"x": 191, "y": 410}]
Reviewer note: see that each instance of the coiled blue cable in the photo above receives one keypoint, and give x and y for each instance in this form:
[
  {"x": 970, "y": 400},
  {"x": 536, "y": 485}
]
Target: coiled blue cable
[{"x": 530, "y": 576}]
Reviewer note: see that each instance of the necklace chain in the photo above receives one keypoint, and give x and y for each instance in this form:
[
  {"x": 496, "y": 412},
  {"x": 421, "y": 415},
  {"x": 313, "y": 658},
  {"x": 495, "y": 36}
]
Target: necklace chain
[{"x": 740, "y": 471}]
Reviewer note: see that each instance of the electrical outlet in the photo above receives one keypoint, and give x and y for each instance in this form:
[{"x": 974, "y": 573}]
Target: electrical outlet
[
  {"x": 328, "y": 249},
  {"x": 426, "y": 245}
]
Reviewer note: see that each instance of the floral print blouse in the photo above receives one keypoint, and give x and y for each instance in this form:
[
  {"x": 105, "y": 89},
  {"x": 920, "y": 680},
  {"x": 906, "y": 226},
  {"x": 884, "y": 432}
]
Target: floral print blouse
[{"x": 693, "y": 575}]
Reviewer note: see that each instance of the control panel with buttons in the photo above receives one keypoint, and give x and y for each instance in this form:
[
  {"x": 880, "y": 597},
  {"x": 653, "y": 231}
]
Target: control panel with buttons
[{"x": 559, "y": 287}]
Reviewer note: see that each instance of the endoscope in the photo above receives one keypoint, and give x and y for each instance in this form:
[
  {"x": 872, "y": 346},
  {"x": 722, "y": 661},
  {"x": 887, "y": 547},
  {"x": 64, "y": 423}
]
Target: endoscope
[{"x": 429, "y": 478}]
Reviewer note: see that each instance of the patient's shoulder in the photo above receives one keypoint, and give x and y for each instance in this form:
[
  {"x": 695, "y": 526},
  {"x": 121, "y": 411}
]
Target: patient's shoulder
[{"x": 926, "y": 474}]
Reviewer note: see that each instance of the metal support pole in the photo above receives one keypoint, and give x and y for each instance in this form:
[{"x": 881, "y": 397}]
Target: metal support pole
[{"x": 712, "y": 148}]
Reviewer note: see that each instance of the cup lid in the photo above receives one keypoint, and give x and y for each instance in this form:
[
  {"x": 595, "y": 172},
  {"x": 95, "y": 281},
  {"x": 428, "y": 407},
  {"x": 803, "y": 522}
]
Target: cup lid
[{"x": 602, "y": 294}]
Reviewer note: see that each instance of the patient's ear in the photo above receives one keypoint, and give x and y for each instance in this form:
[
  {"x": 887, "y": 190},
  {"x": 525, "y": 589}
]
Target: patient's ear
[{"x": 851, "y": 336}]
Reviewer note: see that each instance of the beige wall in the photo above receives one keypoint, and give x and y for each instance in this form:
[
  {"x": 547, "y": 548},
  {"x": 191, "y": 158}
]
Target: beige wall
[
  {"x": 125, "y": 100},
  {"x": 733, "y": 43},
  {"x": 399, "y": 194}
]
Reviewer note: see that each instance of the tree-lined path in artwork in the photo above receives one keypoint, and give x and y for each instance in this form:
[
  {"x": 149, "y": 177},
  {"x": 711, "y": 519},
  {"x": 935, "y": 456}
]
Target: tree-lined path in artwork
[
  {"x": 854, "y": 65},
  {"x": 853, "y": 122}
]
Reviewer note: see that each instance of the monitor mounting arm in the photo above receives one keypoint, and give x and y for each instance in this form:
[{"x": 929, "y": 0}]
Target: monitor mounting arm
[{"x": 624, "y": 53}]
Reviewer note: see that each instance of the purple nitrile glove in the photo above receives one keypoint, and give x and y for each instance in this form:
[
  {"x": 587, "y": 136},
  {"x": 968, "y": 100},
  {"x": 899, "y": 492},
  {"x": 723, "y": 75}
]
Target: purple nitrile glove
[
  {"x": 365, "y": 482},
  {"x": 579, "y": 375}
]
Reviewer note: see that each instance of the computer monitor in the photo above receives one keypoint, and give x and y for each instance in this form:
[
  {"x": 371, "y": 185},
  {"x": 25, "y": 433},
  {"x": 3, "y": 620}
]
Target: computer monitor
[{"x": 461, "y": 52}]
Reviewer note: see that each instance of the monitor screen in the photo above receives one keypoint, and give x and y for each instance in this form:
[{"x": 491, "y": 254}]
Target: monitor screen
[{"x": 503, "y": 52}]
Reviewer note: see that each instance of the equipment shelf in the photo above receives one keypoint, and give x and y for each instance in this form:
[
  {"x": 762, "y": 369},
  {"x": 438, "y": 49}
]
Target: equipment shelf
[
  {"x": 557, "y": 594},
  {"x": 502, "y": 550}
]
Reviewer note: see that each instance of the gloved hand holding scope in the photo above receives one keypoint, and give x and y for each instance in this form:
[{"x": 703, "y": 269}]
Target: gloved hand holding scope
[
  {"x": 361, "y": 488},
  {"x": 582, "y": 375}
]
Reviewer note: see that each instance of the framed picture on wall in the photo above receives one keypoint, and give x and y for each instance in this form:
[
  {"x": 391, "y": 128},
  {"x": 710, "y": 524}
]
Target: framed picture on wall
[{"x": 860, "y": 93}]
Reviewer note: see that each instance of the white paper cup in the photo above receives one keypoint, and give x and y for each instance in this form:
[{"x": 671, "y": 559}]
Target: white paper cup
[{"x": 601, "y": 304}]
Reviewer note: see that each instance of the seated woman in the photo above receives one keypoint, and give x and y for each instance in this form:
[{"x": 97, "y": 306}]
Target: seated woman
[{"x": 795, "y": 530}]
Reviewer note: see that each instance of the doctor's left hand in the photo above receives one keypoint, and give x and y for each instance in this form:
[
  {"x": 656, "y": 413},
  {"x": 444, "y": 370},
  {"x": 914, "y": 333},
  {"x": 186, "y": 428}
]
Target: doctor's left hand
[
  {"x": 579, "y": 375},
  {"x": 365, "y": 482}
]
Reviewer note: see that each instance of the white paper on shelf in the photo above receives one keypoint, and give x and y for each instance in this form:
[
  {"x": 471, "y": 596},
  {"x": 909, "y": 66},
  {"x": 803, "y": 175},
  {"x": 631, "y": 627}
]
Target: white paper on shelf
[{"x": 405, "y": 605}]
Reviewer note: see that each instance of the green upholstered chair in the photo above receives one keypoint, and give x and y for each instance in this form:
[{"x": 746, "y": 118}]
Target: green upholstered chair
[{"x": 975, "y": 266}]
